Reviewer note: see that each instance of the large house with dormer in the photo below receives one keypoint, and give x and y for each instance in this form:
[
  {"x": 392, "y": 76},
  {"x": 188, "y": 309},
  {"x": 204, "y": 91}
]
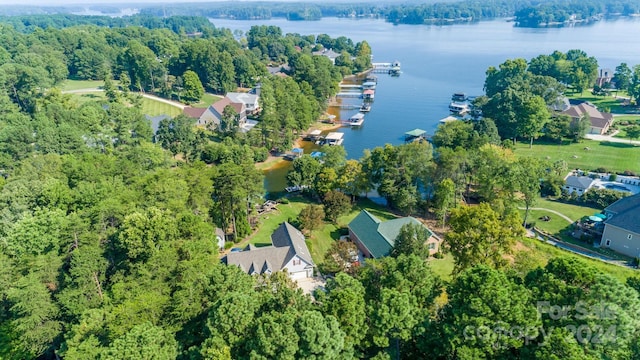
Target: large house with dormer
[{"x": 287, "y": 252}]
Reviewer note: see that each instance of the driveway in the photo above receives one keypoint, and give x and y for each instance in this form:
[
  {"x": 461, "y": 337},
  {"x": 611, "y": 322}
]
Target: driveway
[{"x": 309, "y": 285}]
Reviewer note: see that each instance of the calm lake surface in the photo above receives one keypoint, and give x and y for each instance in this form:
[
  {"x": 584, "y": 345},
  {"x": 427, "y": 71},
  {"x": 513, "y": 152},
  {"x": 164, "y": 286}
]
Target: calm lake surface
[{"x": 440, "y": 60}]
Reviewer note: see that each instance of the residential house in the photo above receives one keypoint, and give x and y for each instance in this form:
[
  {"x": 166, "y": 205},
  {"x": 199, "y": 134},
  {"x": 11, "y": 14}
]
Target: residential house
[
  {"x": 332, "y": 55},
  {"x": 220, "y": 238},
  {"x": 287, "y": 252},
  {"x": 375, "y": 238},
  {"x": 622, "y": 226},
  {"x": 155, "y": 122},
  {"x": 577, "y": 184},
  {"x": 600, "y": 122},
  {"x": 605, "y": 76},
  {"x": 249, "y": 100},
  {"x": 213, "y": 114}
]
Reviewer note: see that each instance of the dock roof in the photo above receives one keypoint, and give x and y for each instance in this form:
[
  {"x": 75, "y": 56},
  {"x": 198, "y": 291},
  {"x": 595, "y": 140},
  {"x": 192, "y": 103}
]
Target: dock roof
[
  {"x": 368, "y": 92},
  {"x": 334, "y": 136},
  {"x": 415, "y": 132}
]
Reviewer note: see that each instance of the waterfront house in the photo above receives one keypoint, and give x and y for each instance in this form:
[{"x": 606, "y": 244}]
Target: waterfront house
[
  {"x": 329, "y": 53},
  {"x": 287, "y": 252},
  {"x": 622, "y": 226},
  {"x": 375, "y": 238},
  {"x": 577, "y": 184},
  {"x": 213, "y": 113},
  {"x": 599, "y": 121},
  {"x": 249, "y": 100}
]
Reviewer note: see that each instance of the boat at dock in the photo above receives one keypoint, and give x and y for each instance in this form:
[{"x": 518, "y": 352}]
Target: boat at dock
[
  {"x": 369, "y": 85},
  {"x": 355, "y": 120},
  {"x": 459, "y": 97},
  {"x": 333, "y": 139},
  {"x": 460, "y": 108},
  {"x": 368, "y": 94},
  {"x": 365, "y": 107}
]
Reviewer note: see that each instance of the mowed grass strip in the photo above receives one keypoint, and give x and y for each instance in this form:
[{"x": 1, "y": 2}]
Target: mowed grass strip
[
  {"x": 154, "y": 108},
  {"x": 207, "y": 99},
  {"x": 586, "y": 155},
  {"x": 69, "y": 85}
]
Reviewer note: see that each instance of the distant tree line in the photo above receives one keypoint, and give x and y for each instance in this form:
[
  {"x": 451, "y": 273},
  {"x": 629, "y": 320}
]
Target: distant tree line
[{"x": 527, "y": 13}]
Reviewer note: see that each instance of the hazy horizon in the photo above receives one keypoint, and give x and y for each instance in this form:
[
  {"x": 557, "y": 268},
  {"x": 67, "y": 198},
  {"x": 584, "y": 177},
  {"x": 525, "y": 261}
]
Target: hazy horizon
[{"x": 133, "y": 3}]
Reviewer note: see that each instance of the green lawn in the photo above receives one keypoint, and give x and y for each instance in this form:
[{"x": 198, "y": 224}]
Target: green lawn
[
  {"x": 81, "y": 98},
  {"x": 207, "y": 99},
  {"x": 611, "y": 156},
  {"x": 442, "y": 267},
  {"x": 320, "y": 240},
  {"x": 149, "y": 106},
  {"x": 153, "y": 108},
  {"x": 68, "y": 85},
  {"x": 539, "y": 252},
  {"x": 532, "y": 253},
  {"x": 604, "y": 103}
]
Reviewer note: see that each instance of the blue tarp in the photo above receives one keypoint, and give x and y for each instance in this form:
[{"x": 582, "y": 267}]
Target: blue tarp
[
  {"x": 297, "y": 150},
  {"x": 317, "y": 154}
]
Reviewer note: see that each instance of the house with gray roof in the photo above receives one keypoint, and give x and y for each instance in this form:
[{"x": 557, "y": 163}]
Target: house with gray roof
[
  {"x": 249, "y": 100},
  {"x": 375, "y": 238},
  {"x": 577, "y": 184},
  {"x": 287, "y": 252},
  {"x": 622, "y": 226}
]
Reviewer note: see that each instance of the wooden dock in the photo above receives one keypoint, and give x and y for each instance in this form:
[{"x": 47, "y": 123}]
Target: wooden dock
[{"x": 386, "y": 68}]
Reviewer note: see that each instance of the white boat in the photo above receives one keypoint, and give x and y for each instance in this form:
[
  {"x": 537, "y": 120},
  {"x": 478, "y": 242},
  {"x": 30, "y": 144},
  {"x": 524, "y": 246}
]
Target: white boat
[
  {"x": 459, "y": 107},
  {"x": 365, "y": 107}
]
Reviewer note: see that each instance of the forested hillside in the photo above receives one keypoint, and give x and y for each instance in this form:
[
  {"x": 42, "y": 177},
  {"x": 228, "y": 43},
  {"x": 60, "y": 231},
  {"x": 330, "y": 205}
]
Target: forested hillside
[{"x": 107, "y": 230}]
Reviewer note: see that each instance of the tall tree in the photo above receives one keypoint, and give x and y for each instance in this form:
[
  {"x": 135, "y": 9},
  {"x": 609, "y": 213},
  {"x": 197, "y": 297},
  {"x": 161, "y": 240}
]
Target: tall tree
[
  {"x": 479, "y": 235},
  {"x": 193, "y": 89},
  {"x": 411, "y": 241}
]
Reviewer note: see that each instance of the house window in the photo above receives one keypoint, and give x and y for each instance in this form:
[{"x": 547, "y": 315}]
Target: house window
[
  {"x": 629, "y": 237},
  {"x": 432, "y": 246},
  {"x": 608, "y": 242},
  {"x": 296, "y": 262}
]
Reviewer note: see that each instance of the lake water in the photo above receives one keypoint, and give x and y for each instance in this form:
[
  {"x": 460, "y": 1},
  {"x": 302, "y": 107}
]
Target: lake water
[{"x": 440, "y": 60}]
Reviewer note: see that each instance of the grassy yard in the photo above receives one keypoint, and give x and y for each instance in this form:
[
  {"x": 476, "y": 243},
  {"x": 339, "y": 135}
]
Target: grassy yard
[
  {"x": 154, "y": 108},
  {"x": 611, "y": 103},
  {"x": 81, "y": 98},
  {"x": 532, "y": 253},
  {"x": 207, "y": 99},
  {"x": 540, "y": 253},
  {"x": 69, "y": 85},
  {"x": 320, "y": 240},
  {"x": 612, "y": 156}
]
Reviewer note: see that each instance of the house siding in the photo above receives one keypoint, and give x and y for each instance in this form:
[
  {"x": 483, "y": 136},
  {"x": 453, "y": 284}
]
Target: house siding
[
  {"x": 359, "y": 244},
  {"x": 300, "y": 267},
  {"x": 619, "y": 241}
]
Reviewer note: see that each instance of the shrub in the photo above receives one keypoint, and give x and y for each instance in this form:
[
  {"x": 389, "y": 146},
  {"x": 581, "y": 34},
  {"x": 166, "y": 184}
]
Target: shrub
[
  {"x": 613, "y": 177},
  {"x": 260, "y": 154},
  {"x": 438, "y": 255}
]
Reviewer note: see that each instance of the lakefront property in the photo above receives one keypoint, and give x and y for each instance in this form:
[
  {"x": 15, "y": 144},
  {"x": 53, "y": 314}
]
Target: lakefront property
[{"x": 375, "y": 238}]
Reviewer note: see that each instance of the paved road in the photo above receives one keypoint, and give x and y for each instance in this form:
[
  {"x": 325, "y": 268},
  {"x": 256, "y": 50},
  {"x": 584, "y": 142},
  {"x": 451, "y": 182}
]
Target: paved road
[
  {"x": 153, "y": 97},
  {"x": 610, "y": 138},
  {"x": 551, "y": 211}
]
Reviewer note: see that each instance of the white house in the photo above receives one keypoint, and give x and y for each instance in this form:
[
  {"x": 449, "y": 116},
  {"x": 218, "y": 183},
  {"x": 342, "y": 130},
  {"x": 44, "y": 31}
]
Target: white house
[
  {"x": 249, "y": 100},
  {"x": 289, "y": 251},
  {"x": 577, "y": 184}
]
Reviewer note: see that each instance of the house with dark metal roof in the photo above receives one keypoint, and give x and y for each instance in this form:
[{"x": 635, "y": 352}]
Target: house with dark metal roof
[
  {"x": 287, "y": 252},
  {"x": 375, "y": 238},
  {"x": 622, "y": 227},
  {"x": 577, "y": 184}
]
